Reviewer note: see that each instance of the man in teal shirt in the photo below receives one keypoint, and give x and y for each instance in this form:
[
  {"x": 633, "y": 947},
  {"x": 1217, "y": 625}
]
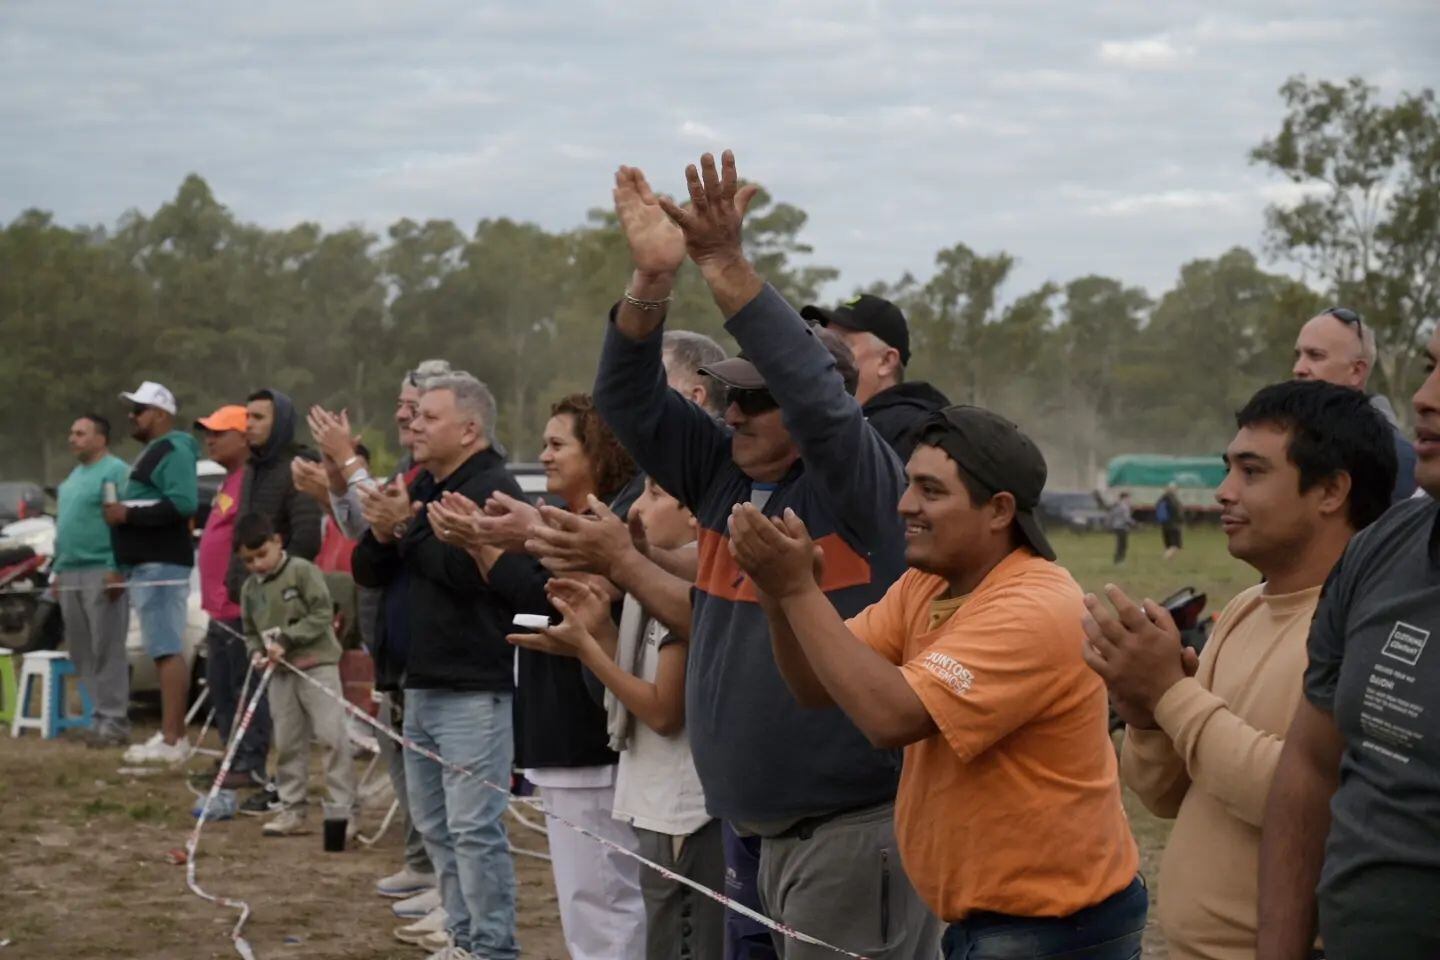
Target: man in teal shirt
[
  {"x": 92, "y": 605},
  {"x": 150, "y": 528}
]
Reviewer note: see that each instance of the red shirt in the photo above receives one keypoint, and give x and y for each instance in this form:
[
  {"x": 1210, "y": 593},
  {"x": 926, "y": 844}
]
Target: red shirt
[{"x": 217, "y": 543}]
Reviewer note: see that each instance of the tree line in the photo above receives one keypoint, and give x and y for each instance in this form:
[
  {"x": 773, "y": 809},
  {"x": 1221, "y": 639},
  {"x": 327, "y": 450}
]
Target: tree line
[{"x": 216, "y": 307}]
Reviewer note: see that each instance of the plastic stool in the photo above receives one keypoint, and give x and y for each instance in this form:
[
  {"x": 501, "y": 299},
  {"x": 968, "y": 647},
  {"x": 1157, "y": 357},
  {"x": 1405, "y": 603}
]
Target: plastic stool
[
  {"x": 48, "y": 669},
  {"x": 7, "y": 686}
]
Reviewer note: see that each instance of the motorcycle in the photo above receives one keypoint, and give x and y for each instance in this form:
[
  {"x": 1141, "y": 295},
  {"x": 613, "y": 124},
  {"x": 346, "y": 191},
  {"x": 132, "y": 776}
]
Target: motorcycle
[
  {"x": 1186, "y": 607},
  {"x": 29, "y": 613}
]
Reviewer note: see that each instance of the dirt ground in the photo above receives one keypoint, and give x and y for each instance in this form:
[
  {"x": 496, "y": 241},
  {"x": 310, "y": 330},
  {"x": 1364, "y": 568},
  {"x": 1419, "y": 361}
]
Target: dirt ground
[{"x": 83, "y": 871}]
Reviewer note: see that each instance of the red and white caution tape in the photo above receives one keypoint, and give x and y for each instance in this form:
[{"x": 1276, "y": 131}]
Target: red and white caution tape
[{"x": 242, "y": 946}]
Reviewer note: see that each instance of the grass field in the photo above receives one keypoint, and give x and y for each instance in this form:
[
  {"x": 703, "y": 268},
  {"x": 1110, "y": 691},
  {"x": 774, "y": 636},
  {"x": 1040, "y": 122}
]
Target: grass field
[{"x": 1204, "y": 564}]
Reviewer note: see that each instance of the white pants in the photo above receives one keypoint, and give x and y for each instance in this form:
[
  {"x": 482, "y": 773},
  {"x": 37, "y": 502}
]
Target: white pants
[{"x": 602, "y": 911}]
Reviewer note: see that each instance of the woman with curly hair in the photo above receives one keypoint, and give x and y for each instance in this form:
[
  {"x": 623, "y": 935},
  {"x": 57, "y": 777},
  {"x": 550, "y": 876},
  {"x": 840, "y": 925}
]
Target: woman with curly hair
[{"x": 581, "y": 456}]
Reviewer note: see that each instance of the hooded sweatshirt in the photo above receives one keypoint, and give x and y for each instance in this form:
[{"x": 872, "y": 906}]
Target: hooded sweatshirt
[
  {"x": 268, "y": 490},
  {"x": 161, "y": 496},
  {"x": 894, "y": 411}
]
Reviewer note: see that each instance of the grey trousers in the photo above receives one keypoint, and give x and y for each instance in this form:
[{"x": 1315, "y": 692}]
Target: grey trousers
[
  {"x": 298, "y": 712},
  {"x": 840, "y": 880},
  {"x": 680, "y": 923},
  {"x": 392, "y": 714},
  {"x": 95, "y": 628}
]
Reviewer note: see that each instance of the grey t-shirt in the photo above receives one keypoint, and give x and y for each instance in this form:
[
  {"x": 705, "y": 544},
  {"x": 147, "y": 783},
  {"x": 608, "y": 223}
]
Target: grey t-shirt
[{"x": 1375, "y": 666}]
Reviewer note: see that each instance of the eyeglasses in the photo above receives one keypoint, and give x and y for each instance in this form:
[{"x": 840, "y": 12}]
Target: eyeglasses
[
  {"x": 752, "y": 403},
  {"x": 1350, "y": 318}
]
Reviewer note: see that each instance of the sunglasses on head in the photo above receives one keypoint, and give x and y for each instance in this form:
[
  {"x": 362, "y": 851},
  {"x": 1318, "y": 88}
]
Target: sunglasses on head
[
  {"x": 1350, "y": 318},
  {"x": 752, "y": 403}
]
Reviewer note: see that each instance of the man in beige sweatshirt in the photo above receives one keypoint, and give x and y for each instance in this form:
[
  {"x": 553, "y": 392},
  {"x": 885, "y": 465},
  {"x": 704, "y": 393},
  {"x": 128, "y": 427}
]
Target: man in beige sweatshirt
[{"x": 1309, "y": 466}]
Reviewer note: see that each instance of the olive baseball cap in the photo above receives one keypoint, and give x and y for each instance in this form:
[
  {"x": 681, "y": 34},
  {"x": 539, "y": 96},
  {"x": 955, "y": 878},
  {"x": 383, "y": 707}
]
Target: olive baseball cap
[{"x": 994, "y": 452}]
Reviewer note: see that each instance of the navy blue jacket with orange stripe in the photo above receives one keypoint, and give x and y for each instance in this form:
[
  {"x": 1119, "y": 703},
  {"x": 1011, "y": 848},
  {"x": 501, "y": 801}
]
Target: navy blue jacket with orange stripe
[{"x": 762, "y": 758}]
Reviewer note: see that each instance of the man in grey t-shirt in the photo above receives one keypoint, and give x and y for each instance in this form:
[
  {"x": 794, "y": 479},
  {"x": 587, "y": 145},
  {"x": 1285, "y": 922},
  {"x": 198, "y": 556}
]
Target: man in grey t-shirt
[{"x": 1350, "y": 832}]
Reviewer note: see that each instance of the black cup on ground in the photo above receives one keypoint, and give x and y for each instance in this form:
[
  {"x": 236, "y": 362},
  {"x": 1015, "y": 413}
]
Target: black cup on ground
[{"x": 335, "y": 835}]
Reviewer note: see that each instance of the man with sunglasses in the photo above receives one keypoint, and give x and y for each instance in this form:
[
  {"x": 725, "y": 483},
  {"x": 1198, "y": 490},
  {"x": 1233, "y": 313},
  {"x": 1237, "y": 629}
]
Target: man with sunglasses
[
  {"x": 806, "y": 782},
  {"x": 150, "y": 529},
  {"x": 1337, "y": 347}
]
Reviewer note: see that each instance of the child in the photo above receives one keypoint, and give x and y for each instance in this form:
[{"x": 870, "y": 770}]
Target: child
[
  {"x": 657, "y": 790},
  {"x": 287, "y": 613}
]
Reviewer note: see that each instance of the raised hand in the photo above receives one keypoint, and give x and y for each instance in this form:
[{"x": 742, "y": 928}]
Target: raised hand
[
  {"x": 570, "y": 637},
  {"x": 455, "y": 520},
  {"x": 507, "y": 521},
  {"x": 570, "y": 541},
  {"x": 331, "y": 433},
  {"x": 712, "y": 220},
  {"x": 310, "y": 479},
  {"x": 657, "y": 247},
  {"x": 1136, "y": 650},
  {"x": 777, "y": 552},
  {"x": 387, "y": 509}
]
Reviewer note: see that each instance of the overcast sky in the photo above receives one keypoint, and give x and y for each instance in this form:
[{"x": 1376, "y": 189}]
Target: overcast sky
[{"x": 1104, "y": 137}]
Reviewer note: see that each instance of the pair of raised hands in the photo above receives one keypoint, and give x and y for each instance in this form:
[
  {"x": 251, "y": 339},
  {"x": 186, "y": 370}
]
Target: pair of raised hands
[
  {"x": 1136, "y": 649},
  {"x": 661, "y": 232}
]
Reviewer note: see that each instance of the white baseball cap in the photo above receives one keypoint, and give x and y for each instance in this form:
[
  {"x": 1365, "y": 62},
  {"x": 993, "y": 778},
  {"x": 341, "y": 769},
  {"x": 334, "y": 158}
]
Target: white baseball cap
[{"x": 153, "y": 394}]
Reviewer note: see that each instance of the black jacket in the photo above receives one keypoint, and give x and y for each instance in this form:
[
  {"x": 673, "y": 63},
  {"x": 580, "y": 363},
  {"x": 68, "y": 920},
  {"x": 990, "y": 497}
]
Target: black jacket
[
  {"x": 457, "y": 623},
  {"x": 268, "y": 489},
  {"x": 895, "y": 411}
]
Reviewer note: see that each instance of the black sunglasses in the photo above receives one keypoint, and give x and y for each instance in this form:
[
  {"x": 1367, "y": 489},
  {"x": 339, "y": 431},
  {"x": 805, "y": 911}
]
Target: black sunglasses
[
  {"x": 1350, "y": 318},
  {"x": 752, "y": 403}
]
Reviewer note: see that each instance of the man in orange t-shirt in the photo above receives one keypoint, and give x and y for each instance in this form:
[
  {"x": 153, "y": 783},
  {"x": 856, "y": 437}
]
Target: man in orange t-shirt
[{"x": 1008, "y": 817}]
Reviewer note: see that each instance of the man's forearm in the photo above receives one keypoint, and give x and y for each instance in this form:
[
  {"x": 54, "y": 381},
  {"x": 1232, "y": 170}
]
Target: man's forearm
[
  {"x": 682, "y": 562},
  {"x": 733, "y": 283},
  {"x": 794, "y": 665},
  {"x": 1292, "y": 846},
  {"x": 638, "y": 323},
  {"x": 663, "y": 595},
  {"x": 870, "y": 689}
]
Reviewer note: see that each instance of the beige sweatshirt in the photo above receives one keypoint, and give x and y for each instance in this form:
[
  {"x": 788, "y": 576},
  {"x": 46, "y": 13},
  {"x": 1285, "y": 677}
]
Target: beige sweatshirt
[{"x": 1210, "y": 765}]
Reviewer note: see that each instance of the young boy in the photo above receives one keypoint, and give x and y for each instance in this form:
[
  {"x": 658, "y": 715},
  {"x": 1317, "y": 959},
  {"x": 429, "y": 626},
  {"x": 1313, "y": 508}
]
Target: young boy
[{"x": 287, "y": 613}]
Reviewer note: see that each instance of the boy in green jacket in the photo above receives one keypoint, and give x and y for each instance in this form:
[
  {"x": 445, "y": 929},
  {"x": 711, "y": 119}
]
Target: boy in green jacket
[{"x": 287, "y": 613}]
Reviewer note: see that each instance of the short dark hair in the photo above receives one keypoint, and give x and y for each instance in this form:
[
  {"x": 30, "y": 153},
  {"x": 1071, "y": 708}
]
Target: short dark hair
[
  {"x": 102, "y": 424},
  {"x": 252, "y": 531},
  {"x": 1333, "y": 429},
  {"x": 264, "y": 394}
]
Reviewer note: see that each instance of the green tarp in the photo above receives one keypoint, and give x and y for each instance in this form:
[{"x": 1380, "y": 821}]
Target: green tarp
[{"x": 1151, "y": 470}]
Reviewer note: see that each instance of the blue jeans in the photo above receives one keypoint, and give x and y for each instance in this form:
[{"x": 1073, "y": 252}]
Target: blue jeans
[
  {"x": 226, "y": 661},
  {"x": 161, "y": 610},
  {"x": 1110, "y": 930},
  {"x": 459, "y": 818}
]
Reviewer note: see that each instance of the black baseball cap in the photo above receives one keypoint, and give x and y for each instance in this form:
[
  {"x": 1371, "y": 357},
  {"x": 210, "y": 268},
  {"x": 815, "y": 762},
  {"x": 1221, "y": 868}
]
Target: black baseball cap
[
  {"x": 998, "y": 456},
  {"x": 867, "y": 314}
]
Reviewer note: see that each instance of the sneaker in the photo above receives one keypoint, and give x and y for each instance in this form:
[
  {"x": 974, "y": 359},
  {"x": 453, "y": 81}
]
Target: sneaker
[
  {"x": 406, "y": 883},
  {"x": 440, "y": 942},
  {"x": 418, "y": 905},
  {"x": 138, "y": 753},
  {"x": 261, "y": 802},
  {"x": 241, "y": 780},
  {"x": 287, "y": 823},
  {"x": 416, "y": 932}
]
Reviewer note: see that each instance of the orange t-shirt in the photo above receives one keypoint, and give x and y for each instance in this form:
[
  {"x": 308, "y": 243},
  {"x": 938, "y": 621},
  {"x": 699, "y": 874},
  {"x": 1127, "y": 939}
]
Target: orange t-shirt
[{"x": 1014, "y": 806}]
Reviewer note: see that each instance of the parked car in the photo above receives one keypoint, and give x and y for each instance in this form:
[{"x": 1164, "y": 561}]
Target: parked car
[
  {"x": 20, "y": 499},
  {"x": 1072, "y": 510}
]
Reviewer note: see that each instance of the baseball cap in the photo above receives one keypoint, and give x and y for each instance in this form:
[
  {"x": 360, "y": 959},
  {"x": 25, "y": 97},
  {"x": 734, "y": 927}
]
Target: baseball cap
[
  {"x": 998, "y": 456},
  {"x": 867, "y": 314},
  {"x": 229, "y": 417},
  {"x": 740, "y": 373},
  {"x": 152, "y": 394}
]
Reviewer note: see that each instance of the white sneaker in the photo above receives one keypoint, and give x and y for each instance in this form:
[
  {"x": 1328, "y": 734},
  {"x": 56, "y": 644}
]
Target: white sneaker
[
  {"x": 452, "y": 953},
  {"x": 440, "y": 942},
  {"x": 415, "y": 933},
  {"x": 418, "y": 905},
  {"x": 405, "y": 883},
  {"x": 137, "y": 752}
]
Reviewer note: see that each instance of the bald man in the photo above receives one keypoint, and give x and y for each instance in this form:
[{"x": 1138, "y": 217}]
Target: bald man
[{"x": 1337, "y": 347}]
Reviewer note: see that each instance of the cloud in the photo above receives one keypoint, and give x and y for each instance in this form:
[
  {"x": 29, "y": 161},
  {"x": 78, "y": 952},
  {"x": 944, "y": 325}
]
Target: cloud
[
  {"x": 692, "y": 131},
  {"x": 1147, "y": 53}
]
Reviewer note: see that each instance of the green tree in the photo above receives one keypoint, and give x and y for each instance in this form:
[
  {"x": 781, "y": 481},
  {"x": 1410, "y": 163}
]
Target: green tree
[{"x": 1368, "y": 225}]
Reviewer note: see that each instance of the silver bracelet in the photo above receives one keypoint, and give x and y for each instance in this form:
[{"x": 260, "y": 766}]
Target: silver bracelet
[{"x": 646, "y": 305}]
